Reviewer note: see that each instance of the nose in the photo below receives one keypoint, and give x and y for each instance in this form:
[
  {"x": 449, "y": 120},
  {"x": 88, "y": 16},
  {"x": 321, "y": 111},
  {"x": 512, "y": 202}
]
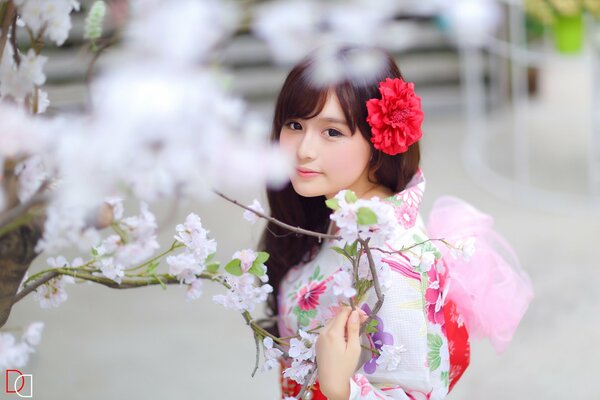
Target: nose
[{"x": 308, "y": 146}]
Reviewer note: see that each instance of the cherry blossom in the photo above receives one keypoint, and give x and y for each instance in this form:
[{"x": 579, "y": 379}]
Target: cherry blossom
[
  {"x": 185, "y": 266},
  {"x": 298, "y": 371},
  {"x": 271, "y": 355},
  {"x": 33, "y": 333},
  {"x": 194, "y": 237},
  {"x": 343, "y": 284},
  {"x": 53, "y": 293},
  {"x": 194, "y": 290},
  {"x": 464, "y": 248},
  {"x": 390, "y": 356},
  {"x": 244, "y": 295},
  {"x": 250, "y": 216},
  {"x": 346, "y": 217},
  {"x": 303, "y": 348}
]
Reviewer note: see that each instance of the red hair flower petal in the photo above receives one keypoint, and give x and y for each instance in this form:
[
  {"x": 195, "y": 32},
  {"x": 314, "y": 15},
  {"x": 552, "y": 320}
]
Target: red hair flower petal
[{"x": 396, "y": 118}]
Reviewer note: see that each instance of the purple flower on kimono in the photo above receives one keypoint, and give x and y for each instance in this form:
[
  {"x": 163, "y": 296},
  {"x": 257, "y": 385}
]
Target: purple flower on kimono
[{"x": 378, "y": 339}]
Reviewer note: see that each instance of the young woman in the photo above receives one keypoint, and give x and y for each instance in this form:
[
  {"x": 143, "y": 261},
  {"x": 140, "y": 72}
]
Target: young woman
[{"x": 362, "y": 135}]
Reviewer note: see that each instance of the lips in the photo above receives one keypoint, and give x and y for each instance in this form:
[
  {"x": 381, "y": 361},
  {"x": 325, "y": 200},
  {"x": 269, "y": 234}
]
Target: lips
[{"x": 307, "y": 173}]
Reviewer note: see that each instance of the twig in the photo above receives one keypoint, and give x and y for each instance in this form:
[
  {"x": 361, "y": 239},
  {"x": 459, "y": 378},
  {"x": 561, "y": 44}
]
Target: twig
[
  {"x": 380, "y": 296},
  {"x": 257, "y": 342},
  {"x": 277, "y": 222},
  {"x": 10, "y": 14},
  {"x": 308, "y": 383},
  {"x": 9, "y": 220}
]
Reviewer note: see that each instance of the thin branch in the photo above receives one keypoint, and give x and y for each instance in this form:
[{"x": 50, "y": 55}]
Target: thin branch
[
  {"x": 13, "y": 42},
  {"x": 308, "y": 383},
  {"x": 10, "y": 219},
  {"x": 412, "y": 247},
  {"x": 380, "y": 296},
  {"x": 277, "y": 222},
  {"x": 257, "y": 343},
  {"x": 10, "y": 14}
]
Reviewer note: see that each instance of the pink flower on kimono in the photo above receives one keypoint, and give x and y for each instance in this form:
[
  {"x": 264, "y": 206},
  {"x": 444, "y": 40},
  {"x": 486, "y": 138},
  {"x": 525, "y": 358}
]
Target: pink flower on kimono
[
  {"x": 308, "y": 295},
  {"x": 435, "y": 297},
  {"x": 408, "y": 211},
  {"x": 417, "y": 395},
  {"x": 363, "y": 384}
]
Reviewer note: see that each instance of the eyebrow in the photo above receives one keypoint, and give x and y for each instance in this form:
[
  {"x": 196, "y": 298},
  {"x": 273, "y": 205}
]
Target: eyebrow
[{"x": 336, "y": 120}]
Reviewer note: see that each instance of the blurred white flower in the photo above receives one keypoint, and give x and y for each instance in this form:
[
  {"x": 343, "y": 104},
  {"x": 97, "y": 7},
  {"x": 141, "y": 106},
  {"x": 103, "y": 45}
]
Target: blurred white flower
[
  {"x": 472, "y": 22},
  {"x": 52, "y": 293},
  {"x": 57, "y": 262},
  {"x": 13, "y": 354},
  {"x": 250, "y": 216},
  {"x": 303, "y": 348},
  {"x": 19, "y": 81},
  {"x": 271, "y": 355},
  {"x": 390, "y": 358},
  {"x": 185, "y": 21},
  {"x": 31, "y": 173},
  {"x": 246, "y": 257},
  {"x": 33, "y": 333},
  {"x": 195, "y": 237},
  {"x": 244, "y": 294},
  {"x": 53, "y": 15},
  {"x": 464, "y": 248},
  {"x": 111, "y": 269},
  {"x": 289, "y": 27},
  {"x": 342, "y": 284},
  {"x": 185, "y": 266},
  {"x": 346, "y": 218},
  {"x": 20, "y": 134},
  {"x": 298, "y": 371},
  {"x": 194, "y": 290}
]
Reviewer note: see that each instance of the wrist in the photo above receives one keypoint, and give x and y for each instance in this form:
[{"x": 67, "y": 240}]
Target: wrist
[{"x": 337, "y": 392}]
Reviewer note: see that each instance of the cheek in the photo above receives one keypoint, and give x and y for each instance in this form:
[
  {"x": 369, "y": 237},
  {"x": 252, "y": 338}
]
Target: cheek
[
  {"x": 287, "y": 143},
  {"x": 348, "y": 163}
]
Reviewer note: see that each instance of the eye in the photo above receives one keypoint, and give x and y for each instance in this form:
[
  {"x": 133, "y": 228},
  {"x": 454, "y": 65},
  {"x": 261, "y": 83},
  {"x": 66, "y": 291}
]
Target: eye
[
  {"x": 293, "y": 125},
  {"x": 334, "y": 133}
]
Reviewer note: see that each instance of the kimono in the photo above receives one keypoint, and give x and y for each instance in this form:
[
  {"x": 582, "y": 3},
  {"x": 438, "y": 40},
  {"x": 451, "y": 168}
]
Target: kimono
[{"x": 412, "y": 314}]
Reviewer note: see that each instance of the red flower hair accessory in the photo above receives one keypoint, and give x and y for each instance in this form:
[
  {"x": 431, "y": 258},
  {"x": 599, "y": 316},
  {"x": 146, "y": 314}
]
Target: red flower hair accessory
[{"x": 395, "y": 119}]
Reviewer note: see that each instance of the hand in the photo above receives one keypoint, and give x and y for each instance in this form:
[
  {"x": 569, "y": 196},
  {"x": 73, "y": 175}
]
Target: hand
[{"x": 338, "y": 352}]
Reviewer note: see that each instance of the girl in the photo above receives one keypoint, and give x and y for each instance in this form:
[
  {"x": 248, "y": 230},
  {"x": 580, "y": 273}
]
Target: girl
[{"x": 363, "y": 135}]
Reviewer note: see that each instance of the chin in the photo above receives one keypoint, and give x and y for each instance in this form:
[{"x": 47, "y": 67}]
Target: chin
[{"x": 306, "y": 191}]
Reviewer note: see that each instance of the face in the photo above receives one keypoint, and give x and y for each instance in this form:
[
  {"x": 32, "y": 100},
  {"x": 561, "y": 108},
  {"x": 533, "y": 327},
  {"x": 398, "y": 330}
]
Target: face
[{"x": 326, "y": 145}]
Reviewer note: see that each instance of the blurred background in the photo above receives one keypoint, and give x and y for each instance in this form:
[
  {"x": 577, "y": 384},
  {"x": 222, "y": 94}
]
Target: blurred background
[{"x": 512, "y": 126}]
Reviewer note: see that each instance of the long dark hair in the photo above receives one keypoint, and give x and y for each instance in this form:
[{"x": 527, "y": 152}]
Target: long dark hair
[{"x": 301, "y": 98}]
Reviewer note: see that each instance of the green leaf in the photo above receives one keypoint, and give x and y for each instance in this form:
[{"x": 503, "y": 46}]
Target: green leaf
[
  {"x": 434, "y": 342},
  {"x": 234, "y": 267},
  {"x": 444, "y": 377},
  {"x": 372, "y": 326},
  {"x": 339, "y": 250},
  {"x": 366, "y": 216},
  {"x": 94, "y": 252},
  {"x": 351, "y": 249},
  {"x": 316, "y": 273},
  {"x": 162, "y": 284},
  {"x": 210, "y": 258},
  {"x": 332, "y": 203},
  {"x": 261, "y": 257},
  {"x": 256, "y": 270},
  {"x": 434, "y": 360},
  {"x": 152, "y": 267},
  {"x": 350, "y": 196},
  {"x": 213, "y": 268}
]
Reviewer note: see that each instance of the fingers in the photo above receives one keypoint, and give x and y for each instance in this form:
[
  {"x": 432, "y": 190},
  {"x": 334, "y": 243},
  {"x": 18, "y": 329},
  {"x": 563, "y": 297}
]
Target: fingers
[
  {"x": 338, "y": 323},
  {"x": 353, "y": 328}
]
